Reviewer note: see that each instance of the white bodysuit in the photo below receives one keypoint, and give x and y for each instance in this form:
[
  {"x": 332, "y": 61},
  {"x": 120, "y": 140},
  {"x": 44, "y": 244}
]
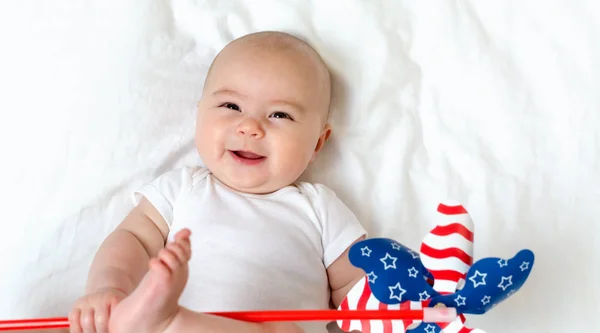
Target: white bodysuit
[{"x": 254, "y": 252}]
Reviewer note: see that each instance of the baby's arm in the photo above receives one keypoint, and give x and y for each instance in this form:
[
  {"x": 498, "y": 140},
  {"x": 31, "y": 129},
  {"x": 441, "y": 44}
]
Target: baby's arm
[
  {"x": 118, "y": 267},
  {"x": 122, "y": 259},
  {"x": 343, "y": 276}
]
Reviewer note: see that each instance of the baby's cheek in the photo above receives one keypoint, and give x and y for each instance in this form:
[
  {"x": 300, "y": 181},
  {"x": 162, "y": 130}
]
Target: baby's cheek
[{"x": 294, "y": 164}]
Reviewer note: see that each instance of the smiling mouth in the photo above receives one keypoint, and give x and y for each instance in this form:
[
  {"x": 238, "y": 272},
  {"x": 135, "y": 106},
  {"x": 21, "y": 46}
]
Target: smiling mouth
[{"x": 247, "y": 157}]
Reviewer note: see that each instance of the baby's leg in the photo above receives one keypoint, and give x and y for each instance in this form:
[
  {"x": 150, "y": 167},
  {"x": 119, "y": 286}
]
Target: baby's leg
[{"x": 154, "y": 303}]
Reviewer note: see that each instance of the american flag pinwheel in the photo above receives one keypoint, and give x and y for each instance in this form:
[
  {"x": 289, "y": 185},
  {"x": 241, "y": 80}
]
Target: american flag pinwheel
[{"x": 442, "y": 274}]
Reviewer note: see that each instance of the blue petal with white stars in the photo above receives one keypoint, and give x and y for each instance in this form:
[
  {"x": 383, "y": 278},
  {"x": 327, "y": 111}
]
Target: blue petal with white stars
[
  {"x": 489, "y": 282},
  {"x": 395, "y": 273},
  {"x": 426, "y": 328}
]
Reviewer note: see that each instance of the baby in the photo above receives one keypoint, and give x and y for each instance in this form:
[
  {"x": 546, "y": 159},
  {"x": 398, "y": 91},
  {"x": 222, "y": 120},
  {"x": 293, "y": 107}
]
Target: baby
[{"x": 261, "y": 240}]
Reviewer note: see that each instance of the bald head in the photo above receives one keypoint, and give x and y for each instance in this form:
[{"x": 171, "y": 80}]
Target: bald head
[
  {"x": 267, "y": 94},
  {"x": 273, "y": 42}
]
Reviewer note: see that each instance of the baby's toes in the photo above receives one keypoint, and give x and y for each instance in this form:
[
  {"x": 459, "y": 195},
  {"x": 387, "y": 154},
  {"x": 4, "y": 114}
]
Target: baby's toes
[
  {"x": 183, "y": 234},
  {"x": 187, "y": 248},
  {"x": 179, "y": 251},
  {"x": 159, "y": 267},
  {"x": 169, "y": 258}
]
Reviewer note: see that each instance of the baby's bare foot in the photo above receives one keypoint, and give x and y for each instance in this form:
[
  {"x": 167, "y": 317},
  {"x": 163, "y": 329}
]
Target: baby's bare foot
[{"x": 154, "y": 303}]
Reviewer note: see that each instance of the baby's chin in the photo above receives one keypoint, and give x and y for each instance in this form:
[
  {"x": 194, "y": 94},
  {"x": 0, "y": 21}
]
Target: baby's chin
[{"x": 253, "y": 185}]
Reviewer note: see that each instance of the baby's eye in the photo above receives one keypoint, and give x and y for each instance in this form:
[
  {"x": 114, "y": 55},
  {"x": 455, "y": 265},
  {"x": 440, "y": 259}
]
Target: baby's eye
[
  {"x": 281, "y": 115},
  {"x": 231, "y": 106}
]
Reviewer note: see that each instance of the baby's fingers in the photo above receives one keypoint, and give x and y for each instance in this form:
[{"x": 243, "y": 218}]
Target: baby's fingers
[
  {"x": 101, "y": 319},
  {"x": 87, "y": 320},
  {"x": 74, "y": 318}
]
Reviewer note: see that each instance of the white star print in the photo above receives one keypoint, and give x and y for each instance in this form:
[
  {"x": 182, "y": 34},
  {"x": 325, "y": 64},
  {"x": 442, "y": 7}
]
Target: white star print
[
  {"x": 386, "y": 265},
  {"x": 430, "y": 328},
  {"x": 400, "y": 292},
  {"x": 524, "y": 266},
  {"x": 503, "y": 262},
  {"x": 502, "y": 285},
  {"x": 475, "y": 282},
  {"x": 412, "y": 272},
  {"x": 365, "y": 251},
  {"x": 423, "y": 296},
  {"x": 396, "y": 246},
  {"x": 372, "y": 277},
  {"x": 485, "y": 300},
  {"x": 460, "y": 300}
]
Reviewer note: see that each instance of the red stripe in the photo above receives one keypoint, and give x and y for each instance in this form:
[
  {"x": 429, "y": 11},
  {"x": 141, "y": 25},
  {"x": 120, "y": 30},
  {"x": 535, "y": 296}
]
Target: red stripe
[
  {"x": 345, "y": 323},
  {"x": 463, "y": 328},
  {"x": 406, "y": 306},
  {"x": 451, "y": 210},
  {"x": 447, "y": 275},
  {"x": 387, "y": 324},
  {"x": 444, "y": 325},
  {"x": 451, "y": 252},
  {"x": 453, "y": 228},
  {"x": 362, "y": 305}
]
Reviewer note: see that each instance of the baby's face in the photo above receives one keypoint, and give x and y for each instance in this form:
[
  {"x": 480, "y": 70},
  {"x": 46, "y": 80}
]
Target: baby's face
[{"x": 262, "y": 117}]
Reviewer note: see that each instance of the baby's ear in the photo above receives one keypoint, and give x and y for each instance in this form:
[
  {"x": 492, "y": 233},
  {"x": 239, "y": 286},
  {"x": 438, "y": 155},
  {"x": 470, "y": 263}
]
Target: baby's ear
[{"x": 321, "y": 142}]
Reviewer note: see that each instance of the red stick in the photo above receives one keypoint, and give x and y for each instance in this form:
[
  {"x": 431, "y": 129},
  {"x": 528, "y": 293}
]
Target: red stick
[{"x": 427, "y": 314}]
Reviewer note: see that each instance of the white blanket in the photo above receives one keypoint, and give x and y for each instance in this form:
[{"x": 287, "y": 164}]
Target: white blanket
[{"x": 492, "y": 103}]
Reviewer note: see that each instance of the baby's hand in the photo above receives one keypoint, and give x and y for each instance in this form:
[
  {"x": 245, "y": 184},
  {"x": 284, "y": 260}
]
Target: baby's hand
[{"x": 91, "y": 312}]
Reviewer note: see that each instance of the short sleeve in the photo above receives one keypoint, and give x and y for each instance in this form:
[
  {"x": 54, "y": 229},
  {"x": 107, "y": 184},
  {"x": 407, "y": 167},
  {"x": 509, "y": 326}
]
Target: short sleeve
[
  {"x": 164, "y": 191},
  {"x": 340, "y": 227}
]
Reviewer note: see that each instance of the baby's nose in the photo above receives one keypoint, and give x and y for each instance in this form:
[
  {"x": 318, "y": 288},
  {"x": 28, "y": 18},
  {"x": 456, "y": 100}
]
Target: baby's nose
[{"x": 252, "y": 128}]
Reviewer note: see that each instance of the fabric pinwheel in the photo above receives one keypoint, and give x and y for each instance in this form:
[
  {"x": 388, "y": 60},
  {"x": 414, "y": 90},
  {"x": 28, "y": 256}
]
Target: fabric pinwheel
[{"x": 442, "y": 274}]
